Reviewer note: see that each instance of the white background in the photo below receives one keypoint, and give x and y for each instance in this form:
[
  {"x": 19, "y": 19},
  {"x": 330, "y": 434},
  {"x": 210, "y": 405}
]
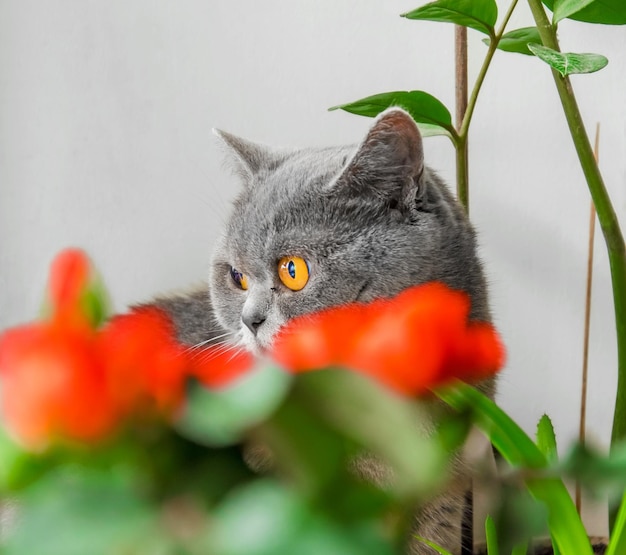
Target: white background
[{"x": 106, "y": 110}]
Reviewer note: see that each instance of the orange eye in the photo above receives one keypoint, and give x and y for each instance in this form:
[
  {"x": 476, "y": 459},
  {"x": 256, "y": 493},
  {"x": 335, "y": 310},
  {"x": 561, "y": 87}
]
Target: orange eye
[
  {"x": 293, "y": 271},
  {"x": 240, "y": 279}
]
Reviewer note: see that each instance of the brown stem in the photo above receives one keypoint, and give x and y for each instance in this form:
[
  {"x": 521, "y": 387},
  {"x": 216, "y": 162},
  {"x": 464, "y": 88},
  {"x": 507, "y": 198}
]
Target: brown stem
[{"x": 582, "y": 432}]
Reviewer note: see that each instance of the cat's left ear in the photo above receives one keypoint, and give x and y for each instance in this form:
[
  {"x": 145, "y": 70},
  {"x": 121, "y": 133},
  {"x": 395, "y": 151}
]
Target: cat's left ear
[
  {"x": 390, "y": 161},
  {"x": 249, "y": 158}
]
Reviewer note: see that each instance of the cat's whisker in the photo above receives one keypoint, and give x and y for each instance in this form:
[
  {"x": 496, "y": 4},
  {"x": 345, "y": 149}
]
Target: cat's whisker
[
  {"x": 216, "y": 340},
  {"x": 237, "y": 352},
  {"x": 206, "y": 356}
]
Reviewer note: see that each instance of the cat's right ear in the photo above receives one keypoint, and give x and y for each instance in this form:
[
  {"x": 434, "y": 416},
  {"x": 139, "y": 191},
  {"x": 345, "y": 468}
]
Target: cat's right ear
[
  {"x": 389, "y": 162},
  {"x": 248, "y": 158}
]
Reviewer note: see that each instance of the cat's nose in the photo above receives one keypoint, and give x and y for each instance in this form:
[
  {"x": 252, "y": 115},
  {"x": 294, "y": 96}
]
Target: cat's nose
[{"x": 253, "y": 321}]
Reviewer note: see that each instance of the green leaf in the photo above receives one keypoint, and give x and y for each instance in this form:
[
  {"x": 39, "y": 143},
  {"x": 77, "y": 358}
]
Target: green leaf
[
  {"x": 617, "y": 544},
  {"x": 305, "y": 448},
  {"x": 433, "y": 545},
  {"x": 519, "y": 450},
  {"x": 491, "y": 535},
  {"x": 518, "y": 40},
  {"x": 220, "y": 417},
  {"x": 517, "y": 517},
  {"x": 74, "y": 512},
  {"x": 603, "y": 475},
  {"x": 424, "y": 108},
  {"x": 95, "y": 303},
  {"x": 520, "y": 549},
  {"x": 565, "y": 8},
  {"x": 608, "y": 12},
  {"x": 568, "y": 63},
  {"x": 264, "y": 518},
  {"x": 12, "y": 458},
  {"x": 546, "y": 439},
  {"x": 480, "y": 15},
  {"x": 364, "y": 412}
]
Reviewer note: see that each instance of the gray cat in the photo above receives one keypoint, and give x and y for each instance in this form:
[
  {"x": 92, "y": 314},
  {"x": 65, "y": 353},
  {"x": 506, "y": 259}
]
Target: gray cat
[{"x": 314, "y": 228}]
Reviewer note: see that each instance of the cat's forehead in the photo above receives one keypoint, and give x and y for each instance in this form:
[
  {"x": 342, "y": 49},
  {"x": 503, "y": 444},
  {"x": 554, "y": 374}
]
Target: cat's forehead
[
  {"x": 288, "y": 207},
  {"x": 303, "y": 168},
  {"x": 298, "y": 184}
]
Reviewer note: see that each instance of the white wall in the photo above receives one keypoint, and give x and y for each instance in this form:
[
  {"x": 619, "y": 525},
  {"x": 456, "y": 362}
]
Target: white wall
[{"x": 105, "y": 117}]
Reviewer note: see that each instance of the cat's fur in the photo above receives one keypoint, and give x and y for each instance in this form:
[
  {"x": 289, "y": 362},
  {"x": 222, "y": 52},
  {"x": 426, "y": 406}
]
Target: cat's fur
[{"x": 371, "y": 221}]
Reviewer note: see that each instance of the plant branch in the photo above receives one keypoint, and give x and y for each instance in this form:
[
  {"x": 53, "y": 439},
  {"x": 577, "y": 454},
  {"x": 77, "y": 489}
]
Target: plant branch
[
  {"x": 606, "y": 215},
  {"x": 462, "y": 171},
  {"x": 493, "y": 46}
]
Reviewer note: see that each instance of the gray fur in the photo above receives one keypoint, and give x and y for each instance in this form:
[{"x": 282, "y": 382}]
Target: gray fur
[{"x": 370, "y": 220}]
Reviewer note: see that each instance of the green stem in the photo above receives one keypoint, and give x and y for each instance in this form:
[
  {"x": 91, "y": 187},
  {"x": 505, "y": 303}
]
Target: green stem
[
  {"x": 606, "y": 215},
  {"x": 462, "y": 173},
  {"x": 461, "y": 143}
]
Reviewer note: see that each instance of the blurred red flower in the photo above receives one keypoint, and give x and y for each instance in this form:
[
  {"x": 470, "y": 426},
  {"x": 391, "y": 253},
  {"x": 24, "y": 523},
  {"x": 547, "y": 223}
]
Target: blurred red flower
[
  {"x": 63, "y": 378},
  {"x": 53, "y": 384},
  {"x": 146, "y": 364},
  {"x": 217, "y": 367},
  {"x": 414, "y": 342}
]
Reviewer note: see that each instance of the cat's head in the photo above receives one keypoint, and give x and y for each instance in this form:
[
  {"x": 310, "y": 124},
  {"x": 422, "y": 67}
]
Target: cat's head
[{"x": 315, "y": 228}]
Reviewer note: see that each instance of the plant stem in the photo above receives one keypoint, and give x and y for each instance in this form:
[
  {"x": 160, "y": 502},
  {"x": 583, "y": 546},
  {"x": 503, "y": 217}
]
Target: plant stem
[
  {"x": 462, "y": 173},
  {"x": 460, "y": 72},
  {"x": 606, "y": 216},
  {"x": 582, "y": 426},
  {"x": 463, "y": 127}
]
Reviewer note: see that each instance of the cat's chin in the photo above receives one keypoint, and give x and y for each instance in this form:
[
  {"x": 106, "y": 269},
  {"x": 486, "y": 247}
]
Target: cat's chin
[{"x": 256, "y": 345}]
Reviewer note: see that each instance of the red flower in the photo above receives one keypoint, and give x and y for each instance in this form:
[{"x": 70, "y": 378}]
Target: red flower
[
  {"x": 215, "y": 367},
  {"x": 146, "y": 363},
  {"x": 414, "y": 342},
  {"x": 64, "y": 379},
  {"x": 69, "y": 277},
  {"x": 53, "y": 383},
  {"x": 53, "y": 386}
]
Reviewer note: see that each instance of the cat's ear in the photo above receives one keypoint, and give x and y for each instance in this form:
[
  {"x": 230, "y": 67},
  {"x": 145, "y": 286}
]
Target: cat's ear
[
  {"x": 248, "y": 158},
  {"x": 390, "y": 161}
]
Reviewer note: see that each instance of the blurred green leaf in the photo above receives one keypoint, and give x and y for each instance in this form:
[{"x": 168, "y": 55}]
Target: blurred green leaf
[
  {"x": 491, "y": 535},
  {"x": 433, "y": 546},
  {"x": 520, "y": 549},
  {"x": 480, "y": 15},
  {"x": 429, "y": 113},
  {"x": 219, "y": 417},
  {"x": 305, "y": 449},
  {"x": 518, "y": 40},
  {"x": 12, "y": 458},
  {"x": 95, "y": 302},
  {"x": 384, "y": 424},
  {"x": 518, "y": 518},
  {"x": 75, "y": 512},
  {"x": 602, "y": 475},
  {"x": 568, "y": 63},
  {"x": 520, "y": 451},
  {"x": 264, "y": 518},
  {"x": 546, "y": 439},
  {"x": 608, "y": 12},
  {"x": 617, "y": 544}
]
